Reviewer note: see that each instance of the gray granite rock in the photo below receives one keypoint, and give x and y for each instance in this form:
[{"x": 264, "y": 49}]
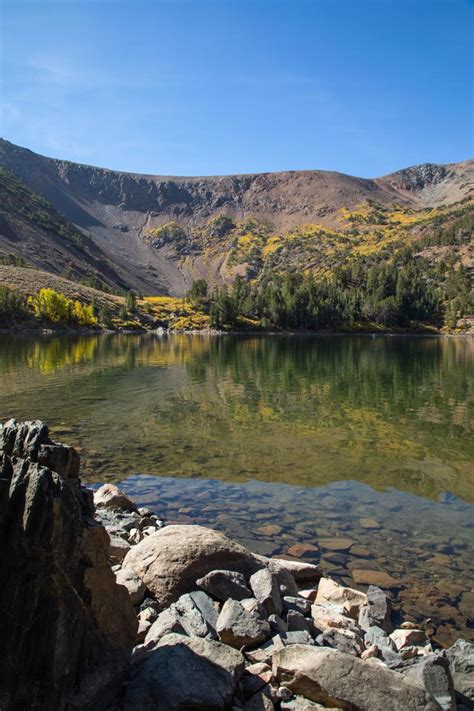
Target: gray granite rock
[
  {"x": 225, "y": 584},
  {"x": 238, "y": 628},
  {"x": 167, "y": 622},
  {"x": 380, "y": 608},
  {"x": 297, "y": 637},
  {"x": 297, "y": 622},
  {"x": 300, "y": 604},
  {"x": 277, "y": 624},
  {"x": 341, "y": 680},
  {"x": 376, "y": 635},
  {"x": 461, "y": 664},
  {"x": 264, "y": 585},
  {"x": 433, "y": 673},
  {"x": 191, "y": 618},
  {"x": 345, "y": 641},
  {"x": 206, "y": 607},
  {"x": 185, "y": 673}
]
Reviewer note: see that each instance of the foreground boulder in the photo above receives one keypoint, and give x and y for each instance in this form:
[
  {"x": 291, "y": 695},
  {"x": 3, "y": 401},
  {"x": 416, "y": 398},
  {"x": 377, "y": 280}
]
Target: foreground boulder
[
  {"x": 185, "y": 673},
  {"x": 170, "y": 561},
  {"x": 343, "y": 681},
  {"x": 461, "y": 664},
  {"x": 433, "y": 673},
  {"x": 66, "y": 627}
]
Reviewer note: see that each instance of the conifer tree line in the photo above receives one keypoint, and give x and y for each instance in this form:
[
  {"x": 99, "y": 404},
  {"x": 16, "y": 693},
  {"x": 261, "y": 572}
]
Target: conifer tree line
[{"x": 395, "y": 294}]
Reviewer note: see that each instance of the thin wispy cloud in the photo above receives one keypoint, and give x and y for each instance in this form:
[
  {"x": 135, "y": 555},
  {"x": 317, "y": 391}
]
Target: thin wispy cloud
[{"x": 193, "y": 88}]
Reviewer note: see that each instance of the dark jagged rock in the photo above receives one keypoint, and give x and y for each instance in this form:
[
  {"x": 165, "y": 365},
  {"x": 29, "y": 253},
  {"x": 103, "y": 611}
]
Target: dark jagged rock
[
  {"x": 185, "y": 673},
  {"x": 66, "y": 627},
  {"x": 433, "y": 674},
  {"x": 461, "y": 663}
]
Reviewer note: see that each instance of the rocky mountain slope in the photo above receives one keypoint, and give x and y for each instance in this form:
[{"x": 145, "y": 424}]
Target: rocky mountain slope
[
  {"x": 33, "y": 233},
  {"x": 159, "y": 233}
]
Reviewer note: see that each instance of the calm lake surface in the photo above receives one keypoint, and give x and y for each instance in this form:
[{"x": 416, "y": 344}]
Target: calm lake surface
[{"x": 349, "y": 451}]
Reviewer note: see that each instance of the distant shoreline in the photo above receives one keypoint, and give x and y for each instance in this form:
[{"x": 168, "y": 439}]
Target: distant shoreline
[{"x": 69, "y": 331}]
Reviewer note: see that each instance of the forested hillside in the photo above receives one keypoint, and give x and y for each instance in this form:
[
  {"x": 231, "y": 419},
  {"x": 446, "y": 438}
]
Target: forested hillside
[
  {"x": 389, "y": 276},
  {"x": 298, "y": 250}
]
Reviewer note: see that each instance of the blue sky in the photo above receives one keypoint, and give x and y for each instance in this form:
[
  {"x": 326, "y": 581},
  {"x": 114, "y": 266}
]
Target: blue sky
[{"x": 198, "y": 87}]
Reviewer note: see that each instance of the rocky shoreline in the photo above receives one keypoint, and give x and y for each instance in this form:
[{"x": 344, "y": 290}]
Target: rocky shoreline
[
  {"x": 161, "y": 331},
  {"x": 104, "y": 606}
]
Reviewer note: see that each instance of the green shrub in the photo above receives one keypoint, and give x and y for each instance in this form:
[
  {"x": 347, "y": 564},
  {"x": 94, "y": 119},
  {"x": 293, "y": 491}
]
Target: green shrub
[{"x": 12, "y": 304}]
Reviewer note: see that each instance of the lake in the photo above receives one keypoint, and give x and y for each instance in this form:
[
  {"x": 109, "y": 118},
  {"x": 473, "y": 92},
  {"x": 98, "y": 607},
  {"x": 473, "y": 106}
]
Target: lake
[{"x": 351, "y": 451}]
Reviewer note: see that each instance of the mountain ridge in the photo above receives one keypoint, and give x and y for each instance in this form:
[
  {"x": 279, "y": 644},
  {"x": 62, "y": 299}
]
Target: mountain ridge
[
  {"x": 169, "y": 176},
  {"x": 123, "y": 212}
]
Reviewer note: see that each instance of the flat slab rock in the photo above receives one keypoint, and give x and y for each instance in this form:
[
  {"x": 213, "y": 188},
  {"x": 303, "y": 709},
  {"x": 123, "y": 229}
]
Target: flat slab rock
[
  {"x": 341, "y": 680},
  {"x": 185, "y": 673}
]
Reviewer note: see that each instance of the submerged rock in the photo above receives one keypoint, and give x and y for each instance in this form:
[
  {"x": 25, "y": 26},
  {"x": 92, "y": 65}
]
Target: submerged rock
[
  {"x": 66, "y": 627},
  {"x": 374, "y": 577}
]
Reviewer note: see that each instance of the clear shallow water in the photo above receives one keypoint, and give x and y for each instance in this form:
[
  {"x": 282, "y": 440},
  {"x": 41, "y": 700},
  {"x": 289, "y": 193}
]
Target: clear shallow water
[{"x": 361, "y": 449}]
